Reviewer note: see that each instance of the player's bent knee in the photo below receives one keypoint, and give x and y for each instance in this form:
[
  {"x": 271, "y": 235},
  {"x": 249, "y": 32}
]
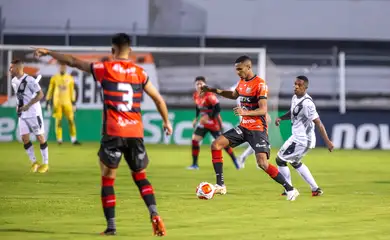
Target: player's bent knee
[
  {"x": 296, "y": 165},
  {"x": 197, "y": 138},
  {"x": 280, "y": 162},
  {"x": 220, "y": 143},
  {"x": 262, "y": 160},
  {"x": 26, "y": 138},
  {"x": 107, "y": 171}
]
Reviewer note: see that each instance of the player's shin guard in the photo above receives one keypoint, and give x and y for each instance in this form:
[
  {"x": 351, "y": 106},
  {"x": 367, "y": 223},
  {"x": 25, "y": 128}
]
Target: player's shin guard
[
  {"x": 45, "y": 153},
  {"x": 229, "y": 150},
  {"x": 146, "y": 191},
  {"x": 218, "y": 166},
  {"x": 274, "y": 173},
  {"x": 30, "y": 152},
  {"x": 284, "y": 170},
  {"x": 195, "y": 152},
  {"x": 305, "y": 173},
  {"x": 108, "y": 201}
]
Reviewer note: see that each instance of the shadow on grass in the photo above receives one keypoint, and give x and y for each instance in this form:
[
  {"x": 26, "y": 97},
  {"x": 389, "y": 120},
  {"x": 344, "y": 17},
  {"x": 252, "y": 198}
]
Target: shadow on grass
[
  {"x": 382, "y": 182},
  {"x": 22, "y": 230}
]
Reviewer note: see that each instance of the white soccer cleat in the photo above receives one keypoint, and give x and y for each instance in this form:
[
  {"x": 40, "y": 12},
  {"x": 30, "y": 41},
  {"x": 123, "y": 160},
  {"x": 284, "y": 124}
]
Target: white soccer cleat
[
  {"x": 292, "y": 195},
  {"x": 220, "y": 189}
]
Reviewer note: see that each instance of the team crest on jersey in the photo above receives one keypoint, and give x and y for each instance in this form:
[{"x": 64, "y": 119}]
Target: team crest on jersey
[{"x": 248, "y": 90}]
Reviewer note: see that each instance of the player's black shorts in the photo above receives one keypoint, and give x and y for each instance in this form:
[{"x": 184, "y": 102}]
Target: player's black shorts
[
  {"x": 258, "y": 140},
  {"x": 133, "y": 149},
  {"x": 201, "y": 131}
]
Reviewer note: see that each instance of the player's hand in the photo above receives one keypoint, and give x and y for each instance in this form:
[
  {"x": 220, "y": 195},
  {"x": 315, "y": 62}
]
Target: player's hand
[
  {"x": 206, "y": 88},
  {"x": 194, "y": 123},
  {"x": 167, "y": 126},
  {"x": 277, "y": 122},
  {"x": 24, "y": 108},
  {"x": 39, "y": 52},
  {"x": 204, "y": 120},
  {"x": 74, "y": 108},
  {"x": 238, "y": 111},
  {"x": 330, "y": 146}
]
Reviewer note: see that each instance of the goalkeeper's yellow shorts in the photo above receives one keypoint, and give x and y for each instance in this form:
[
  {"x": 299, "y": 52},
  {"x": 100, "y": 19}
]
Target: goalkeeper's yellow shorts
[{"x": 63, "y": 109}]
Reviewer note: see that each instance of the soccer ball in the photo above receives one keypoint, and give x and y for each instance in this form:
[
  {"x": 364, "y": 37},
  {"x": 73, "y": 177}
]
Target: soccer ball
[{"x": 205, "y": 191}]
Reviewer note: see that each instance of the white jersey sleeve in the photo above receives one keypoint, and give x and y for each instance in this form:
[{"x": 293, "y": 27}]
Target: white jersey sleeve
[
  {"x": 310, "y": 110},
  {"x": 33, "y": 85}
]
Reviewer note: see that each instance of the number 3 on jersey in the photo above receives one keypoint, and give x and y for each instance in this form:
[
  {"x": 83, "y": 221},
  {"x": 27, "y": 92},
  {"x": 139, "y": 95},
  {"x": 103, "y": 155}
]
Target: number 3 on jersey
[{"x": 126, "y": 97}]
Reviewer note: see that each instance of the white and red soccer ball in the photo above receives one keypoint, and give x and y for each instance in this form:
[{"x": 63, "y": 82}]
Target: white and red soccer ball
[{"x": 205, "y": 191}]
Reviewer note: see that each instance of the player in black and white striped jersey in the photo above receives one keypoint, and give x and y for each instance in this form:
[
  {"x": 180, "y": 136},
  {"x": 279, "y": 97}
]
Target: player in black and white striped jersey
[
  {"x": 304, "y": 118},
  {"x": 28, "y": 94}
]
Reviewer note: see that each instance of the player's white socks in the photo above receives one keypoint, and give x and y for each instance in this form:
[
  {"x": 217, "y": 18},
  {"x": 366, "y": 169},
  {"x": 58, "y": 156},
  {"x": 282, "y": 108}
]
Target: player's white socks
[
  {"x": 305, "y": 173},
  {"x": 73, "y": 139},
  {"x": 248, "y": 151},
  {"x": 30, "y": 152},
  {"x": 45, "y": 153},
  {"x": 285, "y": 171}
]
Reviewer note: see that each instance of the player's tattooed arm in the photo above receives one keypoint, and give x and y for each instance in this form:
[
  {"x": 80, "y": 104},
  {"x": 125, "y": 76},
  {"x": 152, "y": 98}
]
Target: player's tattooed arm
[
  {"x": 323, "y": 133},
  {"x": 65, "y": 58},
  {"x": 286, "y": 116},
  {"x": 224, "y": 93},
  {"x": 260, "y": 111}
]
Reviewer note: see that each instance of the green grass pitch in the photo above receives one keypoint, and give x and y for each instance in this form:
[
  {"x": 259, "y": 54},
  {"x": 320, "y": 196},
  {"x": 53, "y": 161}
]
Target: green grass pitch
[{"x": 65, "y": 202}]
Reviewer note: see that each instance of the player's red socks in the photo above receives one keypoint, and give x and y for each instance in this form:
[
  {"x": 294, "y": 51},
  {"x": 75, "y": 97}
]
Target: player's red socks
[
  {"x": 274, "y": 173},
  {"x": 218, "y": 165},
  {"x": 195, "y": 152},
  {"x": 108, "y": 201},
  {"x": 146, "y": 191}
]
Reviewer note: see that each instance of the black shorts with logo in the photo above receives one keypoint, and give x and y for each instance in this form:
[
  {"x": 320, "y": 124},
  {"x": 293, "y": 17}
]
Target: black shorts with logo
[
  {"x": 201, "y": 131},
  {"x": 258, "y": 140},
  {"x": 133, "y": 149}
]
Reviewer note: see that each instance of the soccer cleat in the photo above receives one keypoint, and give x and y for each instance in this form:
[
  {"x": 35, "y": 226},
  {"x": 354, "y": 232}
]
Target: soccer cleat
[
  {"x": 158, "y": 226},
  {"x": 292, "y": 195},
  {"x": 108, "y": 232},
  {"x": 220, "y": 189},
  {"x": 43, "y": 168},
  {"x": 76, "y": 143},
  {"x": 34, "y": 167},
  {"x": 317, "y": 192},
  {"x": 193, "y": 167},
  {"x": 59, "y": 143}
]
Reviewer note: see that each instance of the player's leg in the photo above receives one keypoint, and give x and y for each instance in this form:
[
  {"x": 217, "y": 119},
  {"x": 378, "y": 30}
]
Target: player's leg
[
  {"x": 24, "y": 132},
  {"x": 109, "y": 156},
  {"x": 259, "y": 142},
  {"x": 283, "y": 157},
  {"x": 197, "y": 137},
  {"x": 233, "y": 137},
  {"x": 69, "y": 114},
  {"x": 228, "y": 149},
  {"x": 137, "y": 159},
  {"x": 242, "y": 158},
  {"x": 57, "y": 114},
  {"x": 37, "y": 126},
  {"x": 304, "y": 171}
]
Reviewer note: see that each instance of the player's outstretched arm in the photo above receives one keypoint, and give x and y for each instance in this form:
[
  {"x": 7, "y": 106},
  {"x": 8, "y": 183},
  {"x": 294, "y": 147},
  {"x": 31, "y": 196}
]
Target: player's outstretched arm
[
  {"x": 160, "y": 104},
  {"x": 224, "y": 93},
  {"x": 65, "y": 58},
  {"x": 285, "y": 116},
  {"x": 323, "y": 133}
]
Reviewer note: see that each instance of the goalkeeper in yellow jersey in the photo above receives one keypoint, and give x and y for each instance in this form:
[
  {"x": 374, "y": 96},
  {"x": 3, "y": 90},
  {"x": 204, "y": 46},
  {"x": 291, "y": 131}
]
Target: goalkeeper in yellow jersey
[{"x": 61, "y": 95}]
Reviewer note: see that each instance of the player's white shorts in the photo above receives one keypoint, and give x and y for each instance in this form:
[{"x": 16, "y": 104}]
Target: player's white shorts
[
  {"x": 292, "y": 152},
  {"x": 31, "y": 125}
]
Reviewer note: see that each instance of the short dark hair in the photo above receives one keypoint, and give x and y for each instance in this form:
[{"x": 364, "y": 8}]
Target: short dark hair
[
  {"x": 304, "y": 79},
  {"x": 200, "y": 78},
  {"x": 121, "y": 40},
  {"x": 243, "y": 59},
  {"x": 17, "y": 61}
]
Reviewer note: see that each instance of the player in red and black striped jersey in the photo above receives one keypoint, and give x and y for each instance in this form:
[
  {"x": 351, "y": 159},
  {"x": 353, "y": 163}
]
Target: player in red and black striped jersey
[
  {"x": 252, "y": 91},
  {"x": 123, "y": 84},
  {"x": 208, "y": 108}
]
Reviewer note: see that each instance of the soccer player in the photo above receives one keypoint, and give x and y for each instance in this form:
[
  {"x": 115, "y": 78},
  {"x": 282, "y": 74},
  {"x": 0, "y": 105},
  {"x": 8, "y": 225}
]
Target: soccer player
[
  {"x": 304, "y": 116},
  {"x": 208, "y": 108},
  {"x": 123, "y": 84},
  {"x": 61, "y": 91},
  {"x": 252, "y": 91},
  {"x": 28, "y": 94}
]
